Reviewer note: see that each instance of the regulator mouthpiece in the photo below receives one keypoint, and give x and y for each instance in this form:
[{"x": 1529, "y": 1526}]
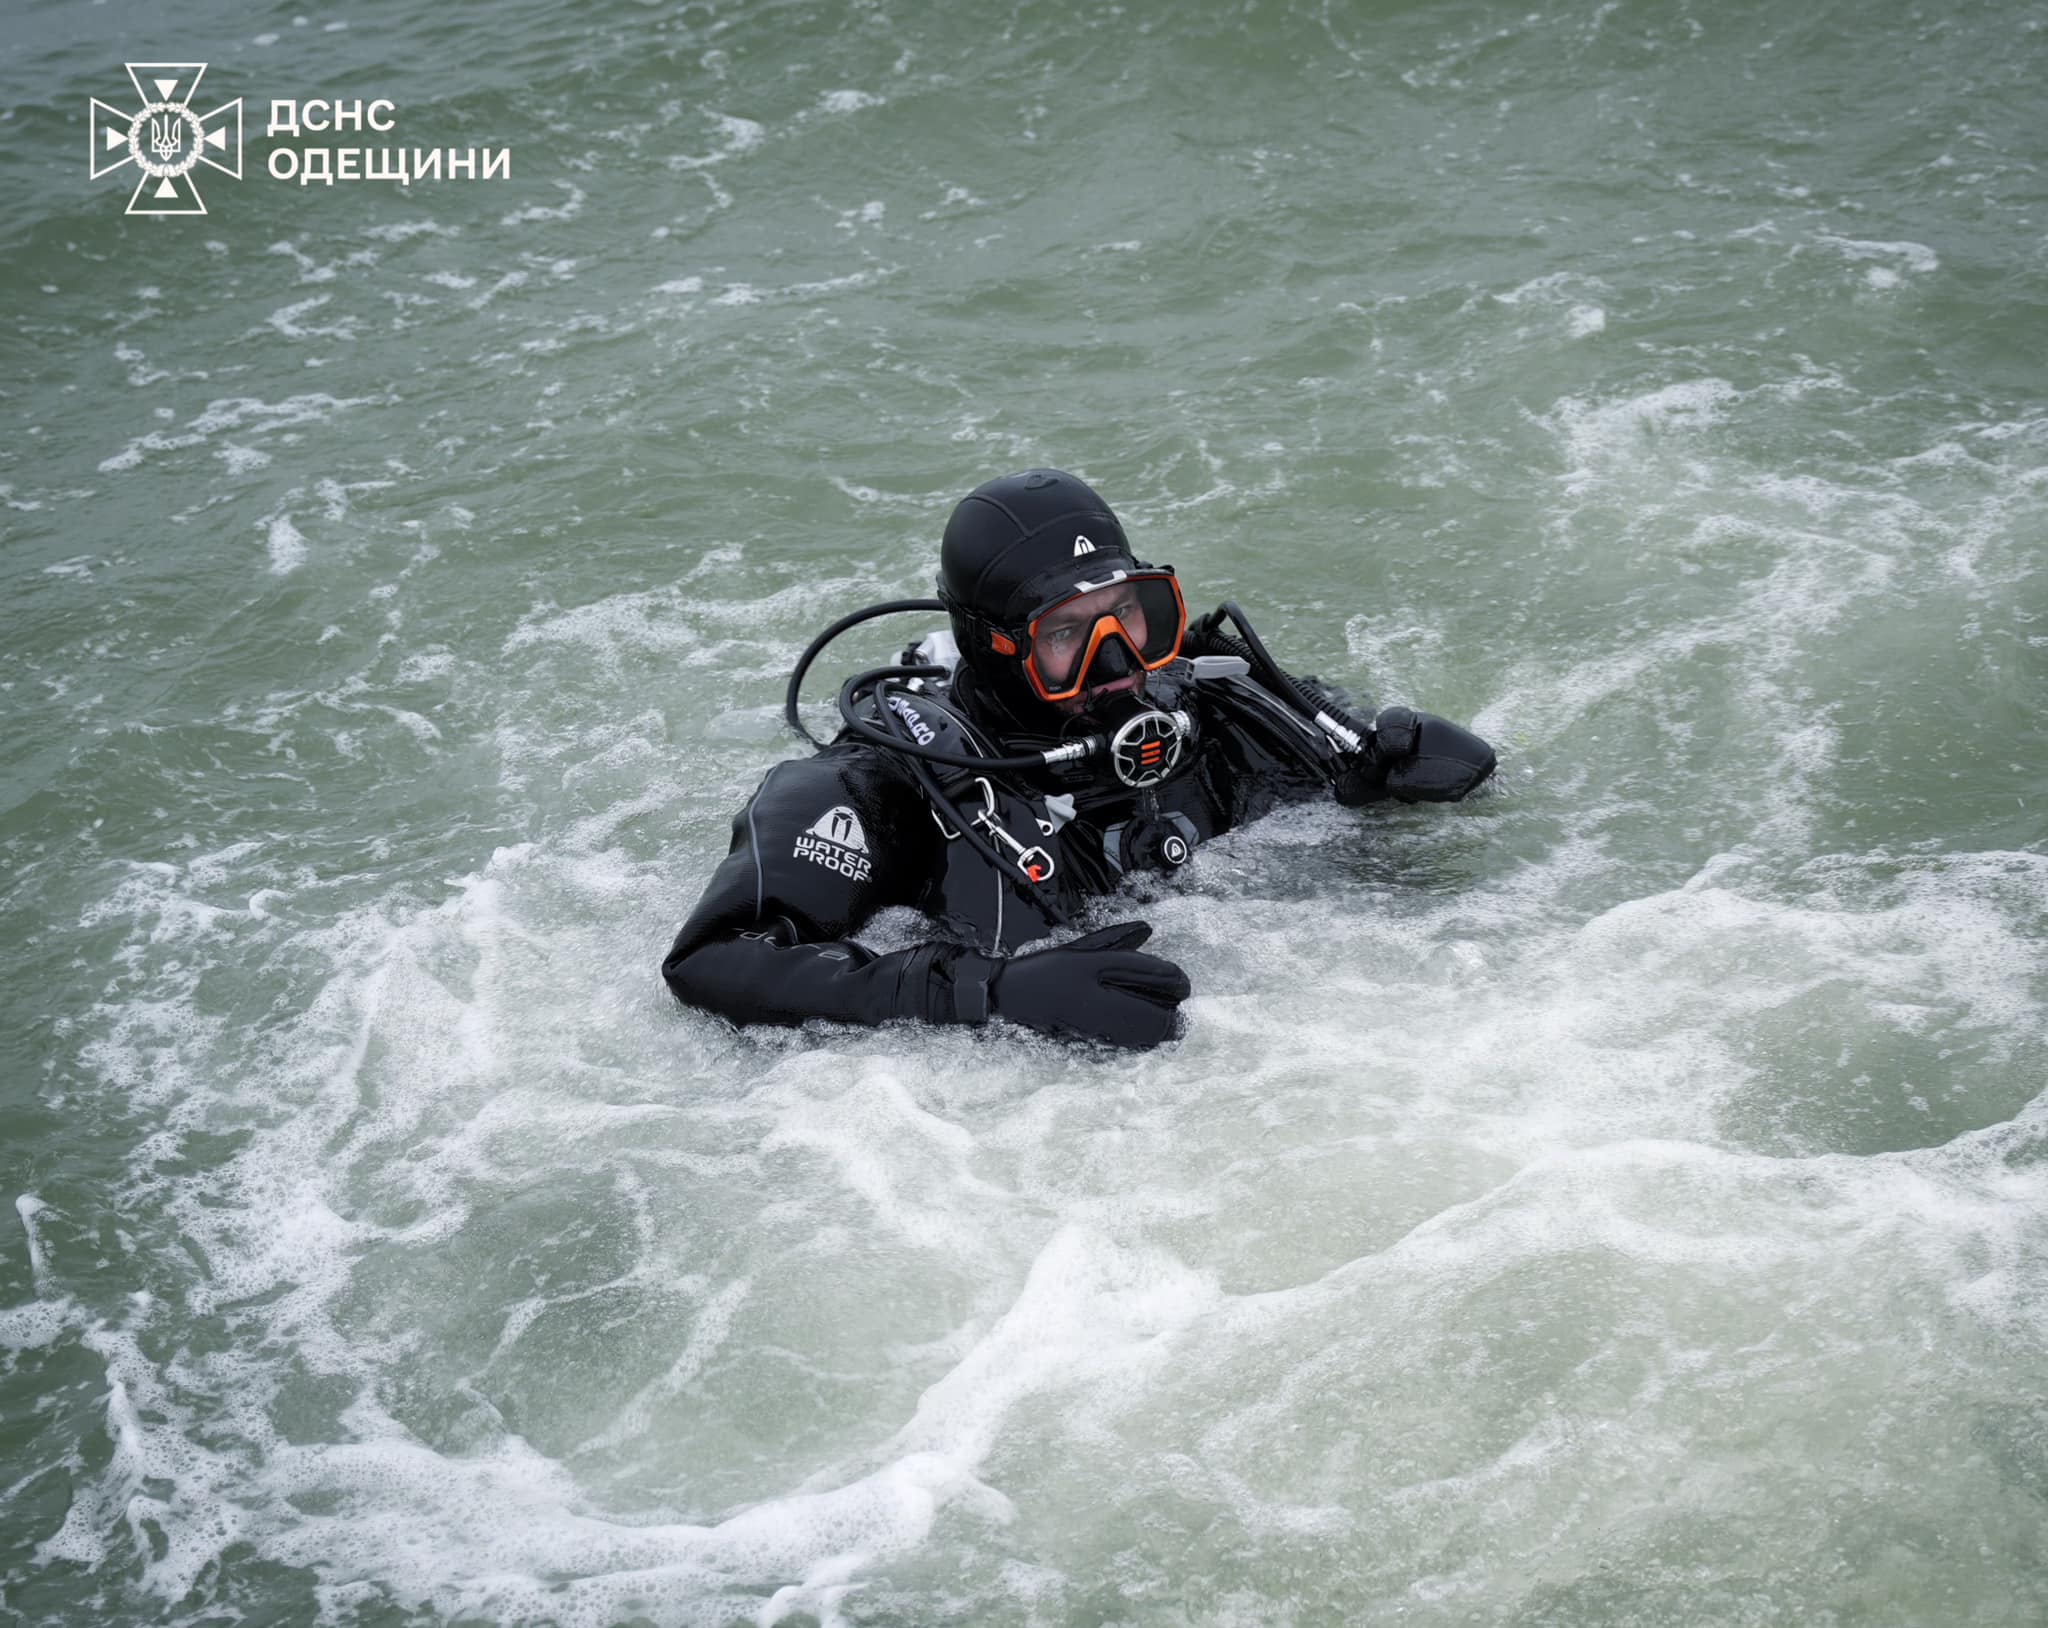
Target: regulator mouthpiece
[{"x": 1147, "y": 748}]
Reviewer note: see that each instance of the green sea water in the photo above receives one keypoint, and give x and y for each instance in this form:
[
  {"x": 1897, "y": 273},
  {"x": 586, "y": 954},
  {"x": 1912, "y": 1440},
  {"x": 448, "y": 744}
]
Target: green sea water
[{"x": 1619, "y": 1201}]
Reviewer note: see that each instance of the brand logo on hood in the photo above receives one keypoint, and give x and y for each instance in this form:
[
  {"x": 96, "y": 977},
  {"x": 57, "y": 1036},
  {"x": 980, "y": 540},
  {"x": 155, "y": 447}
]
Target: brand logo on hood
[{"x": 1082, "y": 546}]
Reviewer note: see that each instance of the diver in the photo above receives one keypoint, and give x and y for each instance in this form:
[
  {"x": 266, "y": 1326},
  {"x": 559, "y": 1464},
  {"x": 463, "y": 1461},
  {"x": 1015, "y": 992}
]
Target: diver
[{"x": 1069, "y": 728}]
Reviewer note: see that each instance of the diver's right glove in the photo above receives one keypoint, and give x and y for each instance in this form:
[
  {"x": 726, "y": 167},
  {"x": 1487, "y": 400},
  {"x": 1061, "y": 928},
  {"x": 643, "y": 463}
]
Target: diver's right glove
[
  {"x": 1417, "y": 757},
  {"x": 1098, "y": 987}
]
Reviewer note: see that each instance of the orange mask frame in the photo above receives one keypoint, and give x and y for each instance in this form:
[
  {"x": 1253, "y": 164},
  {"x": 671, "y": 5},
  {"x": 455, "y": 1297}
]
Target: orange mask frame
[{"x": 1107, "y": 625}]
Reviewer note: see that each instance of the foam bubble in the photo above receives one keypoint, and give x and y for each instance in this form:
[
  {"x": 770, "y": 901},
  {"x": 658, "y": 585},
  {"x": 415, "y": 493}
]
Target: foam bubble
[
  {"x": 741, "y": 136},
  {"x": 286, "y": 545},
  {"x": 1600, "y": 434},
  {"x": 246, "y": 413},
  {"x": 38, "y": 1324},
  {"x": 1913, "y": 257},
  {"x": 400, "y": 231},
  {"x": 286, "y": 320},
  {"x": 568, "y": 209},
  {"x": 242, "y": 460},
  {"x": 28, "y": 1207}
]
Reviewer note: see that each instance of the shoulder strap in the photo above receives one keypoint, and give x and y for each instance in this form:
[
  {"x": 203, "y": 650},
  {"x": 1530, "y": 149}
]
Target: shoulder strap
[
  {"x": 934, "y": 721},
  {"x": 1014, "y": 822}
]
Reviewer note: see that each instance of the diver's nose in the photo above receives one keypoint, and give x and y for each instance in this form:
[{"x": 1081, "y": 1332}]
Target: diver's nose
[{"x": 1113, "y": 660}]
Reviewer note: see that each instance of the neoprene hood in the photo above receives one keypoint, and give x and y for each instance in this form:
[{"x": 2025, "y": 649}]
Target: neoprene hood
[{"x": 1010, "y": 545}]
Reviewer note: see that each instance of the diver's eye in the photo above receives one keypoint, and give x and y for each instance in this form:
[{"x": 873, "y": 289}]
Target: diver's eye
[{"x": 1060, "y": 636}]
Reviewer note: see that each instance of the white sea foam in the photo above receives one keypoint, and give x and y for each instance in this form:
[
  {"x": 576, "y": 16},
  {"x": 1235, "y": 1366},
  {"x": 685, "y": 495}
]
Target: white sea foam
[
  {"x": 286, "y": 544},
  {"x": 310, "y": 270},
  {"x": 286, "y": 320},
  {"x": 1563, "y": 1092},
  {"x": 35, "y": 1325},
  {"x": 242, "y": 460},
  {"x": 1549, "y": 288},
  {"x": 1601, "y": 434},
  {"x": 955, "y": 197},
  {"x": 509, "y": 280},
  {"x": 249, "y": 414},
  {"x": 568, "y": 209},
  {"x": 401, "y": 230},
  {"x": 28, "y": 1207},
  {"x": 741, "y": 136},
  {"x": 1912, "y": 257}
]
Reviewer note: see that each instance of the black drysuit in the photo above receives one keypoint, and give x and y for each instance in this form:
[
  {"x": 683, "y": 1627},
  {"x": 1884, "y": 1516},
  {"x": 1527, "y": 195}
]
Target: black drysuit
[{"x": 829, "y": 840}]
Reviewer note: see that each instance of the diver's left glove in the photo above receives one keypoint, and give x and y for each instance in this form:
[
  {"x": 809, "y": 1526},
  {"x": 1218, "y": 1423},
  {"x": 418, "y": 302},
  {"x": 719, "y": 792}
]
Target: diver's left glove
[
  {"x": 1098, "y": 987},
  {"x": 1416, "y": 757}
]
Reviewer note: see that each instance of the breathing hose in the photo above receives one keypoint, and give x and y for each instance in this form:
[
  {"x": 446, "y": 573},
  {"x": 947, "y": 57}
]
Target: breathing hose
[{"x": 1315, "y": 703}]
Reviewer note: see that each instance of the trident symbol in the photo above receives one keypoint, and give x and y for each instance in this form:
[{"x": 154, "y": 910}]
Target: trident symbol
[{"x": 166, "y": 138}]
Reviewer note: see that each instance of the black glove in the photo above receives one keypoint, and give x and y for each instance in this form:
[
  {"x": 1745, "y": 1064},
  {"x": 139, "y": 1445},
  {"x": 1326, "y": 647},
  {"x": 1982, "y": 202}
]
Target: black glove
[
  {"x": 1098, "y": 987},
  {"x": 1415, "y": 756}
]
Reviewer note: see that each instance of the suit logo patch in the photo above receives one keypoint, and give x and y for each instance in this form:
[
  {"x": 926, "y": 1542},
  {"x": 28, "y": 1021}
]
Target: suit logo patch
[
  {"x": 1082, "y": 546},
  {"x": 836, "y": 841}
]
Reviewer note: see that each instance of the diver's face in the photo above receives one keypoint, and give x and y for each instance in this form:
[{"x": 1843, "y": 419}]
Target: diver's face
[{"x": 1062, "y": 640}]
